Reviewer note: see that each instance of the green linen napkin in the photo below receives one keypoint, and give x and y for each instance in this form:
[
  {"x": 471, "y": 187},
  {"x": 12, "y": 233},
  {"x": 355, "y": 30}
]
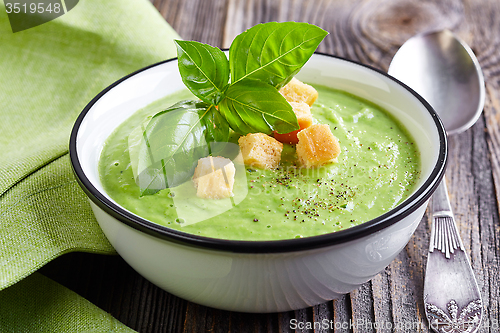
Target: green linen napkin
[
  {"x": 47, "y": 75},
  {"x": 51, "y": 308}
]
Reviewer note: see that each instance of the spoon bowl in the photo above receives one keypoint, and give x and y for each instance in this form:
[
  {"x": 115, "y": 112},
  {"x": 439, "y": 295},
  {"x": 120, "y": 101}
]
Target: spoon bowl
[{"x": 444, "y": 70}]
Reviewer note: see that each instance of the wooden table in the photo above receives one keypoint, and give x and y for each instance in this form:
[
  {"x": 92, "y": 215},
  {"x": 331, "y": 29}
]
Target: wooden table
[{"x": 369, "y": 31}]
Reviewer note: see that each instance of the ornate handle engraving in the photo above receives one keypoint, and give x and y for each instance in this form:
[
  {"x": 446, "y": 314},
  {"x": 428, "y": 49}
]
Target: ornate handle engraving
[{"x": 467, "y": 321}]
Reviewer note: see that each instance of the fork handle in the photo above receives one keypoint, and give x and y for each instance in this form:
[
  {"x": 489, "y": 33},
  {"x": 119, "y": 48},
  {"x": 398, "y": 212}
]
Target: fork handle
[
  {"x": 452, "y": 298},
  {"x": 441, "y": 201}
]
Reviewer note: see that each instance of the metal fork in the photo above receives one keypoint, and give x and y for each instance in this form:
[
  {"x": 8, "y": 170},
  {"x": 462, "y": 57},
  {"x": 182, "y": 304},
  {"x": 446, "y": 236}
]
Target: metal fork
[{"x": 449, "y": 280}]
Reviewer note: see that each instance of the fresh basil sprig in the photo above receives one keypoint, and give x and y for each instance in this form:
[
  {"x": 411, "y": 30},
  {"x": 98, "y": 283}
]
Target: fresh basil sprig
[
  {"x": 240, "y": 93},
  {"x": 271, "y": 53}
]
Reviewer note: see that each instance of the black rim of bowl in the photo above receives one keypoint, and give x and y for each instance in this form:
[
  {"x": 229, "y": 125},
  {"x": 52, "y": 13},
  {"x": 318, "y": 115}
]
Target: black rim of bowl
[{"x": 272, "y": 246}]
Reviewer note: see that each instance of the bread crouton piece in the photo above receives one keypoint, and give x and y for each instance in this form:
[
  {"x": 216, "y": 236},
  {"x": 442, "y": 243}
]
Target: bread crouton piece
[
  {"x": 260, "y": 150},
  {"x": 214, "y": 178},
  {"x": 297, "y": 91},
  {"x": 303, "y": 112},
  {"x": 317, "y": 146}
]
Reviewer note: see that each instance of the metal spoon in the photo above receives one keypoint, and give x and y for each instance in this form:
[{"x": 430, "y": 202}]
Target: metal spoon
[{"x": 445, "y": 71}]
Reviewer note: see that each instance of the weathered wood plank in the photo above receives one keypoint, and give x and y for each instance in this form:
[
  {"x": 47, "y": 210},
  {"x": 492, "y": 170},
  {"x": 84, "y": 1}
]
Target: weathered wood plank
[
  {"x": 490, "y": 238},
  {"x": 195, "y": 20},
  {"x": 341, "y": 314},
  {"x": 485, "y": 43},
  {"x": 382, "y": 304},
  {"x": 322, "y": 314},
  {"x": 407, "y": 295},
  {"x": 362, "y": 309}
]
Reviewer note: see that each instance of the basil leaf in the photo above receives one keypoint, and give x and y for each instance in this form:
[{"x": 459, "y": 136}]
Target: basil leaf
[
  {"x": 172, "y": 143},
  {"x": 254, "y": 106},
  {"x": 216, "y": 130},
  {"x": 216, "y": 126},
  {"x": 204, "y": 70},
  {"x": 273, "y": 52}
]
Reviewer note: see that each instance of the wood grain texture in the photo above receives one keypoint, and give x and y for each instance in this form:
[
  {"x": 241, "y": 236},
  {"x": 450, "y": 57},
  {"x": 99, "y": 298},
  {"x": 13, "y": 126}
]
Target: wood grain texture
[{"x": 369, "y": 31}]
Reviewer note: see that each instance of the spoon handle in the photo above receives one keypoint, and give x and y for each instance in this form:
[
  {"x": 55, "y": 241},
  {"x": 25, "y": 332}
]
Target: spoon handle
[{"x": 451, "y": 295}]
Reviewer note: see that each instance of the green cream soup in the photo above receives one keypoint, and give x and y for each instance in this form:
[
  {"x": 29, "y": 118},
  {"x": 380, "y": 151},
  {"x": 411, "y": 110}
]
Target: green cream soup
[{"x": 376, "y": 170}]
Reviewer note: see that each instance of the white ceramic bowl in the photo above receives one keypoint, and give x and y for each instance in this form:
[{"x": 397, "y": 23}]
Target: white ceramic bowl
[{"x": 258, "y": 276}]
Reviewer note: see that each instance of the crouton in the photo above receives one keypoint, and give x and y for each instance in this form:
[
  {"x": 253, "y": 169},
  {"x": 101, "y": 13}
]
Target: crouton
[
  {"x": 317, "y": 146},
  {"x": 303, "y": 112},
  {"x": 260, "y": 150},
  {"x": 297, "y": 91},
  {"x": 304, "y": 117},
  {"x": 214, "y": 178}
]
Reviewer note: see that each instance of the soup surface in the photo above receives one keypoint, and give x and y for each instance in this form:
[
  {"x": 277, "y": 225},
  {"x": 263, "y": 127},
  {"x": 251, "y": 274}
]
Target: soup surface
[{"x": 376, "y": 170}]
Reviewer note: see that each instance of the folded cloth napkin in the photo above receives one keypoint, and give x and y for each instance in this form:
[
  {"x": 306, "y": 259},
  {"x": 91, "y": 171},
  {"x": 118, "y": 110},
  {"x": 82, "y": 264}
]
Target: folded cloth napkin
[
  {"x": 47, "y": 75},
  {"x": 38, "y": 304}
]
